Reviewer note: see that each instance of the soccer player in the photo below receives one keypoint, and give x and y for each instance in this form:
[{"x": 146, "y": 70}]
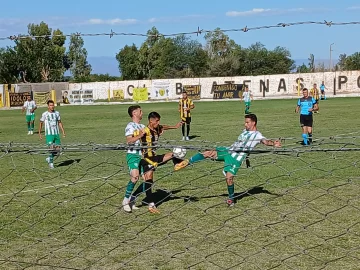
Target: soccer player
[
  {"x": 52, "y": 121},
  {"x": 247, "y": 96},
  {"x": 185, "y": 106},
  {"x": 322, "y": 90},
  {"x": 134, "y": 131},
  {"x": 314, "y": 92},
  {"x": 306, "y": 106},
  {"x": 234, "y": 155},
  {"x": 150, "y": 159},
  {"x": 30, "y": 107}
]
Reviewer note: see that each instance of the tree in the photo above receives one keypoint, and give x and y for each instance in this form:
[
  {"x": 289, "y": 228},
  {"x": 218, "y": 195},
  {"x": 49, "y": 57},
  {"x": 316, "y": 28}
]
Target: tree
[
  {"x": 303, "y": 69},
  {"x": 40, "y": 59},
  {"x": 77, "y": 58},
  {"x": 341, "y": 62},
  {"x": 128, "y": 58},
  {"x": 9, "y": 68},
  {"x": 352, "y": 62}
]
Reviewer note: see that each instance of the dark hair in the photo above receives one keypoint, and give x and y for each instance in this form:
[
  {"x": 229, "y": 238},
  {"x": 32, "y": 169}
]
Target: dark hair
[
  {"x": 132, "y": 108},
  {"x": 153, "y": 115},
  {"x": 305, "y": 89},
  {"x": 50, "y": 101},
  {"x": 184, "y": 91},
  {"x": 252, "y": 117}
]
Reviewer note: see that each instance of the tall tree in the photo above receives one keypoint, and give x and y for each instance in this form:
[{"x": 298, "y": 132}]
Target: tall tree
[
  {"x": 41, "y": 55},
  {"x": 77, "y": 57},
  {"x": 128, "y": 58},
  {"x": 341, "y": 62},
  {"x": 352, "y": 62}
]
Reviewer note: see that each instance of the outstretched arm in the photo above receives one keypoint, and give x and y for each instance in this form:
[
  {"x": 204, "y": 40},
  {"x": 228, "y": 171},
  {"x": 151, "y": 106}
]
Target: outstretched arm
[
  {"x": 267, "y": 142},
  {"x": 166, "y": 127}
]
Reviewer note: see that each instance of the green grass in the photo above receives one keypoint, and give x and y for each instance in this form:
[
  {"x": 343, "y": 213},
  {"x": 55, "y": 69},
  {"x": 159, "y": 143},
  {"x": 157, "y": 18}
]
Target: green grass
[{"x": 296, "y": 210}]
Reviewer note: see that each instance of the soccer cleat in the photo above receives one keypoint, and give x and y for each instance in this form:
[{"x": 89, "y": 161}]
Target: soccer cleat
[
  {"x": 51, "y": 165},
  {"x": 153, "y": 209},
  {"x": 230, "y": 203},
  {"x": 126, "y": 205},
  {"x": 48, "y": 159},
  {"x": 132, "y": 203},
  {"x": 183, "y": 138},
  {"x": 187, "y": 138},
  {"x": 29, "y": 132},
  {"x": 181, "y": 165}
]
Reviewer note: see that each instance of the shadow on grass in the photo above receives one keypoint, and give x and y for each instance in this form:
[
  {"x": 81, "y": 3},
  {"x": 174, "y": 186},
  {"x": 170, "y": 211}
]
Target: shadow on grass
[{"x": 68, "y": 162}]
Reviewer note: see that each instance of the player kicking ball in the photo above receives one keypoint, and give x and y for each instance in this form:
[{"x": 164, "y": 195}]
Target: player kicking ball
[{"x": 234, "y": 155}]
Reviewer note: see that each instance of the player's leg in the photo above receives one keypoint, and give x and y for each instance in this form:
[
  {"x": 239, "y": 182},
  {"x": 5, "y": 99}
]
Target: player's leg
[
  {"x": 32, "y": 124},
  {"x": 196, "y": 158},
  {"x": 183, "y": 130},
  {"x": 247, "y": 107},
  {"x": 231, "y": 167},
  {"x": 133, "y": 162},
  {"x": 188, "y": 121},
  {"x": 148, "y": 183},
  {"x": 28, "y": 121},
  {"x": 303, "y": 123},
  {"x": 310, "y": 129}
]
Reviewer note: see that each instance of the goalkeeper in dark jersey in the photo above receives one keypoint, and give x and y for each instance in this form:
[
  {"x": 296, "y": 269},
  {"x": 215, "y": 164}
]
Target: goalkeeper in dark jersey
[{"x": 151, "y": 160}]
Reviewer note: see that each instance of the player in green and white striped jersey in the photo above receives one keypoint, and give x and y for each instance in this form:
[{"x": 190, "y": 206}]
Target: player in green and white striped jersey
[
  {"x": 234, "y": 155},
  {"x": 247, "y": 96},
  {"x": 134, "y": 131},
  {"x": 30, "y": 107},
  {"x": 51, "y": 121}
]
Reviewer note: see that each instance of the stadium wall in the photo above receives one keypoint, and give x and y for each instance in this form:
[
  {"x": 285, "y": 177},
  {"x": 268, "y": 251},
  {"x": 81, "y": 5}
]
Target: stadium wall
[{"x": 261, "y": 86}]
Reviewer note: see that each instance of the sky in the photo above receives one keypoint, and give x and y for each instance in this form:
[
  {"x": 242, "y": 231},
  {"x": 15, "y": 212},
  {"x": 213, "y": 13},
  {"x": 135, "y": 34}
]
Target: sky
[{"x": 171, "y": 17}]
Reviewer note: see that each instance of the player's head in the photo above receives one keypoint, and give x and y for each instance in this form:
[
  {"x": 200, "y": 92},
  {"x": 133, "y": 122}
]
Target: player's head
[
  {"x": 315, "y": 85},
  {"x": 135, "y": 111},
  {"x": 250, "y": 122},
  {"x": 305, "y": 92},
  {"x": 322, "y": 82},
  {"x": 65, "y": 93},
  {"x": 246, "y": 88},
  {"x": 51, "y": 105},
  {"x": 28, "y": 98},
  {"x": 184, "y": 94},
  {"x": 154, "y": 119}
]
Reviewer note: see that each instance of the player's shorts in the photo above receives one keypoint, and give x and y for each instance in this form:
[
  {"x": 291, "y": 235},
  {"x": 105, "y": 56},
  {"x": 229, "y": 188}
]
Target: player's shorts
[
  {"x": 322, "y": 92},
  {"x": 53, "y": 139},
  {"x": 145, "y": 164},
  {"x": 30, "y": 118},
  {"x": 133, "y": 161},
  {"x": 187, "y": 120},
  {"x": 247, "y": 103},
  {"x": 232, "y": 162},
  {"x": 306, "y": 120}
]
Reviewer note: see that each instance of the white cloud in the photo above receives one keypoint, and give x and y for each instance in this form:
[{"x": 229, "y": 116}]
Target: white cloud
[
  {"x": 175, "y": 19},
  {"x": 254, "y": 11},
  {"x": 353, "y": 8},
  {"x": 268, "y": 11},
  {"x": 112, "y": 21}
]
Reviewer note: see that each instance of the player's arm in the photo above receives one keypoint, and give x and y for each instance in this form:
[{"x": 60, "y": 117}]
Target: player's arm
[
  {"x": 133, "y": 138},
  {"x": 61, "y": 126},
  {"x": 33, "y": 110},
  {"x": 179, "y": 106},
  {"x": 267, "y": 142},
  {"x": 166, "y": 127},
  {"x": 297, "y": 109},
  {"x": 40, "y": 128}
]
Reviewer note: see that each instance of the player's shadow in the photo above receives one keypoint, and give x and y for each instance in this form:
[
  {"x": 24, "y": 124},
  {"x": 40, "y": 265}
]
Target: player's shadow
[
  {"x": 194, "y": 137},
  {"x": 68, "y": 162},
  {"x": 162, "y": 196}
]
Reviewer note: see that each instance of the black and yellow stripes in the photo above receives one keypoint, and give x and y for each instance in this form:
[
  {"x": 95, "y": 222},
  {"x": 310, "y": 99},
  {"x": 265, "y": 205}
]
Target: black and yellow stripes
[
  {"x": 150, "y": 139},
  {"x": 185, "y": 104}
]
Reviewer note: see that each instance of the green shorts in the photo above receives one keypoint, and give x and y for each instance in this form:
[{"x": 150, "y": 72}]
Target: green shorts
[
  {"x": 247, "y": 104},
  {"x": 53, "y": 139},
  {"x": 30, "y": 118},
  {"x": 133, "y": 161},
  {"x": 231, "y": 164}
]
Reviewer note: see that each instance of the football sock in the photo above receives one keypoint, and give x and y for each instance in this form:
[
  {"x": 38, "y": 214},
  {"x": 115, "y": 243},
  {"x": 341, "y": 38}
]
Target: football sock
[
  {"x": 148, "y": 191},
  {"x": 187, "y": 129},
  {"x": 32, "y": 126},
  {"x": 231, "y": 189},
  {"x": 305, "y": 138},
  {"x": 183, "y": 130},
  {"x": 129, "y": 188},
  {"x": 196, "y": 158},
  {"x": 310, "y": 137},
  {"x": 28, "y": 126}
]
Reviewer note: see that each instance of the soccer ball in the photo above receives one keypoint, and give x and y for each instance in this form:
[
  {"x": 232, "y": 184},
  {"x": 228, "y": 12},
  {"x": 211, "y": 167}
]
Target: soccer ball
[{"x": 179, "y": 152}]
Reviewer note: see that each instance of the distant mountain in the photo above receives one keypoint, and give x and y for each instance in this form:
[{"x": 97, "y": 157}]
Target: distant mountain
[{"x": 104, "y": 64}]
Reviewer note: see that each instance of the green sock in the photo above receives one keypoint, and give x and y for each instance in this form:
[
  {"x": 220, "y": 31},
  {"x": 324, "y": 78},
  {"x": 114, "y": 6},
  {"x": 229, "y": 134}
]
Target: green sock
[
  {"x": 196, "y": 158},
  {"x": 29, "y": 127},
  {"x": 51, "y": 156},
  {"x": 231, "y": 190},
  {"x": 32, "y": 126},
  {"x": 129, "y": 188}
]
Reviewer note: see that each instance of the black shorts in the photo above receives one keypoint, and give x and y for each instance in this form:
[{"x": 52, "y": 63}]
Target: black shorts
[
  {"x": 306, "y": 120},
  {"x": 186, "y": 120},
  {"x": 146, "y": 166}
]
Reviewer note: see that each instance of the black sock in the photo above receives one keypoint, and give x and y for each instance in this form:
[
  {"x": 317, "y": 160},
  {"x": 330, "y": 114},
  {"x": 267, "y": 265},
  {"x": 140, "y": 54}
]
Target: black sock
[
  {"x": 188, "y": 129},
  {"x": 140, "y": 189},
  {"x": 183, "y": 130},
  {"x": 310, "y": 137},
  {"x": 148, "y": 190}
]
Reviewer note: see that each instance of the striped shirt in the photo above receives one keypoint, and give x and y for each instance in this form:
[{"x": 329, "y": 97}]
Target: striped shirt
[
  {"x": 184, "y": 105},
  {"x": 132, "y": 129},
  {"x": 246, "y": 141},
  {"x": 51, "y": 122},
  {"x": 246, "y": 96},
  {"x": 29, "y": 105}
]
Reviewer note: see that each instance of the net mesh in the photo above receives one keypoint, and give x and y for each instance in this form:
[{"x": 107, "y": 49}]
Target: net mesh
[{"x": 296, "y": 208}]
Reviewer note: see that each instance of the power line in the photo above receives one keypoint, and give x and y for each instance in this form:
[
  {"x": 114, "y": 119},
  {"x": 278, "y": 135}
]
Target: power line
[{"x": 196, "y": 32}]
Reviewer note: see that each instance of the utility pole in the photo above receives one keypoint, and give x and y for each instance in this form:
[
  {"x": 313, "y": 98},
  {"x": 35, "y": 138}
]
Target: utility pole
[{"x": 330, "y": 65}]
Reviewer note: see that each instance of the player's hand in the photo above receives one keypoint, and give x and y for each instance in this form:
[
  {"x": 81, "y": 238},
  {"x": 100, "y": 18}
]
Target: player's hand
[
  {"x": 310, "y": 110},
  {"x": 141, "y": 132},
  {"x": 64, "y": 135},
  {"x": 40, "y": 136},
  {"x": 277, "y": 143},
  {"x": 179, "y": 124}
]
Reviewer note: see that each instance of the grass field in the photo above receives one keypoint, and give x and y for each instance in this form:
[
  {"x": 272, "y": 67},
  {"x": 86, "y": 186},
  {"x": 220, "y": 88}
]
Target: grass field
[{"x": 295, "y": 210}]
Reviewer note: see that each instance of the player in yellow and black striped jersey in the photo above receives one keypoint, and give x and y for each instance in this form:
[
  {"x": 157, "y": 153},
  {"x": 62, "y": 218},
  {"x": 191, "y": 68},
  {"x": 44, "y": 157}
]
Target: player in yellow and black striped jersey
[
  {"x": 150, "y": 160},
  {"x": 185, "y": 107}
]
